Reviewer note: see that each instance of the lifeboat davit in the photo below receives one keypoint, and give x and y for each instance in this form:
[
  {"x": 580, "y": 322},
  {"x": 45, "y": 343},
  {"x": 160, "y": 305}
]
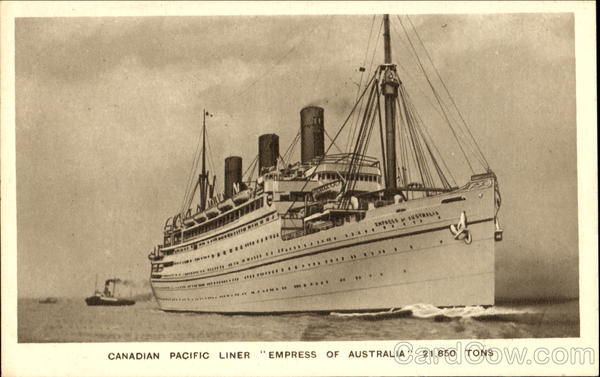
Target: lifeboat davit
[
  {"x": 200, "y": 217},
  {"x": 241, "y": 197},
  {"x": 212, "y": 212},
  {"x": 225, "y": 206}
]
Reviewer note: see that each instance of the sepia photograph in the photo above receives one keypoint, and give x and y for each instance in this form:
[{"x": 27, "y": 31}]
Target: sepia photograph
[{"x": 319, "y": 177}]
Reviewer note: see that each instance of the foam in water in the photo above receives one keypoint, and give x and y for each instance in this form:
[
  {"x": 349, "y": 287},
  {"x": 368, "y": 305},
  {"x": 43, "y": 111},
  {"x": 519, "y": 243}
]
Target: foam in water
[{"x": 428, "y": 311}]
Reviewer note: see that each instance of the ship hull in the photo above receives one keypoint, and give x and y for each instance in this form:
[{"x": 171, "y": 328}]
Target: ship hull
[{"x": 398, "y": 255}]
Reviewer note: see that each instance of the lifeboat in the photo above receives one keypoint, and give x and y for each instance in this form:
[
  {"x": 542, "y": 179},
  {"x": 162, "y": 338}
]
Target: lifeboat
[
  {"x": 188, "y": 221},
  {"x": 241, "y": 197},
  {"x": 200, "y": 217},
  {"x": 212, "y": 212},
  {"x": 226, "y": 205},
  {"x": 330, "y": 189}
]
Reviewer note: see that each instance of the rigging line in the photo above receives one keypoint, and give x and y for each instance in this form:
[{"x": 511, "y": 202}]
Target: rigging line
[
  {"x": 468, "y": 144},
  {"x": 436, "y": 96},
  {"x": 376, "y": 45},
  {"x": 424, "y": 127},
  {"x": 253, "y": 165},
  {"x": 416, "y": 59},
  {"x": 249, "y": 166},
  {"x": 290, "y": 151},
  {"x": 440, "y": 111},
  {"x": 359, "y": 152},
  {"x": 363, "y": 66},
  {"x": 416, "y": 83},
  {"x": 191, "y": 198},
  {"x": 366, "y": 115},
  {"x": 361, "y": 138},
  {"x": 280, "y": 160},
  {"x": 293, "y": 150},
  {"x": 355, "y": 119},
  {"x": 437, "y": 167},
  {"x": 381, "y": 132},
  {"x": 408, "y": 157},
  {"x": 192, "y": 191},
  {"x": 335, "y": 137},
  {"x": 432, "y": 159},
  {"x": 423, "y": 142},
  {"x": 367, "y": 142},
  {"x": 443, "y": 107},
  {"x": 448, "y": 92},
  {"x": 253, "y": 169},
  {"x": 358, "y": 146},
  {"x": 403, "y": 158},
  {"x": 415, "y": 146},
  {"x": 464, "y": 137},
  {"x": 210, "y": 159},
  {"x": 405, "y": 163},
  {"x": 410, "y": 76},
  {"x": 329, "y": 137},
  {"x": 419, "y": 155},
  {"x": 290, "y": 146},
  {"x": 191, "y": 176},
  {"x": 310, "y": 31}
]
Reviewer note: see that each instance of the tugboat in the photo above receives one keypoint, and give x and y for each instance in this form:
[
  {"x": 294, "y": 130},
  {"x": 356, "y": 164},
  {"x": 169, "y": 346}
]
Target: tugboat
[{"x": 108, "y": 296}]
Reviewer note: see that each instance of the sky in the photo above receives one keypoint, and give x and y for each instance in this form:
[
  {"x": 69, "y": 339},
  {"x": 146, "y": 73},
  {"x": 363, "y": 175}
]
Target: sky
[{"x": 109, "y": 113}]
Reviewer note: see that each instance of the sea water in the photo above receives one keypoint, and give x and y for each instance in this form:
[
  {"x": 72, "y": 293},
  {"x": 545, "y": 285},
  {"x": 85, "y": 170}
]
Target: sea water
[{"x": 70, "y": 320}]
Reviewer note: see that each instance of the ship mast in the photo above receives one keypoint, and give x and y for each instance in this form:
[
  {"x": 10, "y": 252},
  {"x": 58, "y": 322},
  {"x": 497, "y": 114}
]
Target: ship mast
[
  {"x": 389, "y": 88},
  {"x": 203, "y": 178}
]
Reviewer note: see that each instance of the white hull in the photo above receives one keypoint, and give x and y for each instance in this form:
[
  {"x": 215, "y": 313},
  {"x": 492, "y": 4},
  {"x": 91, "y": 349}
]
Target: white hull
[{"x": 398, "y": 255}]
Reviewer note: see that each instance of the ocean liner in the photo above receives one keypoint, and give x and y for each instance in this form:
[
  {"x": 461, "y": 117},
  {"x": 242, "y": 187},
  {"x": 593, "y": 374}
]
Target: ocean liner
[{"x": 337, "y": 232}]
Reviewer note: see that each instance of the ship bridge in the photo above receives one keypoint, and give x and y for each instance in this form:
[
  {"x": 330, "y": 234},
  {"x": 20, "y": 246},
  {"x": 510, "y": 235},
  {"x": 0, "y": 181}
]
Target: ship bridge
[
  {"x": 307, "y": 189},
  {"x": 296, "y": 182}
]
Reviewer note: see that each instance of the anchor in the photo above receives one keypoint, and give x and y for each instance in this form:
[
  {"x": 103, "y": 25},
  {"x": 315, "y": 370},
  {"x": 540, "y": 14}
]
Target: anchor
[{"x": 460, "y": 230}]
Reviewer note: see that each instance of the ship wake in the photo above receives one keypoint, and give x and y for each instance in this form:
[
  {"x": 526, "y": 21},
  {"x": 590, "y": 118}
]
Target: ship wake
[{"x": 428, "y": 311}]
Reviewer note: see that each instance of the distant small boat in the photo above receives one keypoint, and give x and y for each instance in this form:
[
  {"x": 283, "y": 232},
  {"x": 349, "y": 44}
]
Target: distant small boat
[
  {"x": 108, "y": 297},
  {"x": 48, "y": 300}
]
